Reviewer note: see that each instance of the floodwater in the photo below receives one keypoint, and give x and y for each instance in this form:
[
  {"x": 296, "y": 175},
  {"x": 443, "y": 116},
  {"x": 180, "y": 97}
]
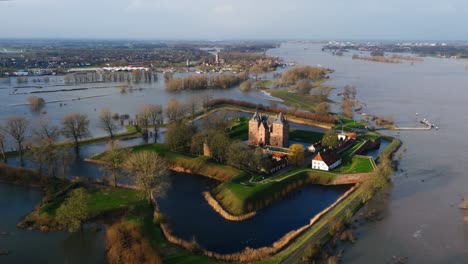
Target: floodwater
[
  {"x": 104, "y": 95},
  {"x": 37, "y": 247},
  {"x": 421, "y": 219}
]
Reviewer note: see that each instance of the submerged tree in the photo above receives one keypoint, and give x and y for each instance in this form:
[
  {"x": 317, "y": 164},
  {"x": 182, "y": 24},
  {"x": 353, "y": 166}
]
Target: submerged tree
[
  {"x": 107, "y": 122},
  {"x": 74, "y": 211},
  {"x": 148, "y": 170},
  {"x": 44, "y": 150},
  {"x": 3, "y": 145},
  {"x": 150, "y": 114},
  {"x": 16, "y": 127},
  {"x": 75, "y": 127},
  {"x": 36, "y": 103}
]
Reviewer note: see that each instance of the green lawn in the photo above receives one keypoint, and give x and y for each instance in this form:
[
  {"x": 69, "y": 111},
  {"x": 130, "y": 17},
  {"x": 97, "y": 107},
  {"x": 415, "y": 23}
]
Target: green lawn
[
  {"x": 305, "y": 136},
  {"x": 101, "y": 200},
  {"x": 240, "y": 131},
  {"x": 358, "y": 164},
  {"x": 349, "y": 123},
  {"x": 304, "y": 102},
  {"x": 108, "y": 199},
  {"x": 198, "y": 164},
  {"x": 131, "y": 132}
]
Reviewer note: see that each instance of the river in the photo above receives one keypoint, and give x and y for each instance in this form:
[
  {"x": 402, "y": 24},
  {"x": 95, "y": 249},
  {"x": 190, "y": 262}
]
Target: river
[{"x": 421, "y": 219}]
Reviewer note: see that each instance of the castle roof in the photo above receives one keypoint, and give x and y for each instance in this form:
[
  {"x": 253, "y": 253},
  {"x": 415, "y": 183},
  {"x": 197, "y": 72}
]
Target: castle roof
[
  {"x": 280, "y": 119},
  {"x": 256, "y": 117}
]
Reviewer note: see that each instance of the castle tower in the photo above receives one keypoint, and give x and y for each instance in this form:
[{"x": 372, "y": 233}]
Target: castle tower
[
  {"x": 280, "y": 132},
  {"x": 259, "y": 131},
  {"x": 253, "y": 128}
]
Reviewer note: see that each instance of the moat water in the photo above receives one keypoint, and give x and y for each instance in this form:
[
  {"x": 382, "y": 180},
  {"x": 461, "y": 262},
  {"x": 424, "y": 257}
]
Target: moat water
[{"x": 420, "y": 221}]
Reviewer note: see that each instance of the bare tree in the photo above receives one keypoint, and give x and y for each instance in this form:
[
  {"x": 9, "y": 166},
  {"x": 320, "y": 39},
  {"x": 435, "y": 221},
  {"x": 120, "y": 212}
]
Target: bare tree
[
  {"x": 114, "y": 160},
  {"x": 44, "y": 150},
  {"x": 44, "y": 130},
  {"x": 149, "y": 171},
  {"x": 193, "y": 103},
  {"x": 322, "y": 109},
  {"x": 175, "y": 110},
  {"x": 107, "y": 123},
  {"x": 150, "y": 114},
  {"x": 17, "y": 126},
  {"x": 75, "y": 127},
  {"x": 206, "y": 100},
  {"x": 3, "y": 145}
]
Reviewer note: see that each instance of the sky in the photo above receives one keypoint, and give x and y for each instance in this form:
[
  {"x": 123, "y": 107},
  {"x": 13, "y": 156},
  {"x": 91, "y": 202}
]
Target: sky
[{"x": 236, "y": 19}]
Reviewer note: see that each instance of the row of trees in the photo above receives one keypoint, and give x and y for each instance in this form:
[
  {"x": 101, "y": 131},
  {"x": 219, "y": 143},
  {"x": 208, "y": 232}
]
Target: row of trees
[
  {"x": 292, "y": 76},
  {"x": 135, "y": 76},
  {"x": 75, "y": 126},
  {"x": 321, "y": 114},
  {"x": 200, "y": 82},
  {"x": 349, "y": 100}
]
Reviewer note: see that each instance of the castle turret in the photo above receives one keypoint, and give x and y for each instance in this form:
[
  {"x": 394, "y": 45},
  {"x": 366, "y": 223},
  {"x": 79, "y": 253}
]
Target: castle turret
[{"x": 280, "y": 132}]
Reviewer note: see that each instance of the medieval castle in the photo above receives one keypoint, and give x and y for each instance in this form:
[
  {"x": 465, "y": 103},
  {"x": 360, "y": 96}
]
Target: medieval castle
[{"x": 262, "y": 133}]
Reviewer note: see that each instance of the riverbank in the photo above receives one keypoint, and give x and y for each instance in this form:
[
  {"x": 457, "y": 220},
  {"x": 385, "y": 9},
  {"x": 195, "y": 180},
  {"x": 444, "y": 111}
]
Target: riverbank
[
  {"x": 183, "y": 163},
  {"x": 21, "y": 176},
  {"x": 130, "y": 133},
  {"x": 104, "y": 204}
]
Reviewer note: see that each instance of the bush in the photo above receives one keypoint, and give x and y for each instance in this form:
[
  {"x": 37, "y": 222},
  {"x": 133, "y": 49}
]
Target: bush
[
  {"x": 125, "y": 244},
  {"x": 36, "y": 103}
]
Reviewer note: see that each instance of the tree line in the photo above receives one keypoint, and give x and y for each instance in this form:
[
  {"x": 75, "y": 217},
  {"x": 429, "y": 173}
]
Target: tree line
[
  {"x": 201, "y": 82},
  {"x": 292, "y": 76},
  {"x": 322, "y": 116}
]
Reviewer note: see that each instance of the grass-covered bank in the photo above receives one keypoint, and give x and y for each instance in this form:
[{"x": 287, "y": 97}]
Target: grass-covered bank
[
  {"x": 21, "y": 176},
  {"x": 185, "y": 163},
  {"x": 102, "y": 203},
  {"x": 131, "y": 132},
  {"x": 239, "y": 196}
]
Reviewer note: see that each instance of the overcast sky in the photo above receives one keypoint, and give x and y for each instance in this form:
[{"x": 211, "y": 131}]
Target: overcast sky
[{"x": 236, "y": 19}]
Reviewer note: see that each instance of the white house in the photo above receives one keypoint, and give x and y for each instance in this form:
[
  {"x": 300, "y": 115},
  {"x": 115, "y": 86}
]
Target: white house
[
  {"x": 326, "y": 160},
  {"x": 342, "y": 136}
]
